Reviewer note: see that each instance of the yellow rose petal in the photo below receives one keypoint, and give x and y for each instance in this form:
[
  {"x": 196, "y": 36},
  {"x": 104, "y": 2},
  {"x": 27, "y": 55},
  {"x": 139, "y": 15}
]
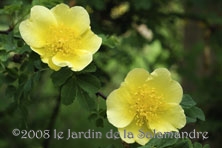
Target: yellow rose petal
[
  {"x": 118, "y": 108},
  {"x": 174, "y": 114},
  {"x": 170, "y": 89},
  {"x": 136, "y": 77},
  {"x": 52, "y": 65},
  {"x": 76, "y": 61},
  {"x": 92, "y": 41},
  {"x": 132, "y": 133},
  {"x": 76, "y": 17},
  {"x": 35, "y": 29}
]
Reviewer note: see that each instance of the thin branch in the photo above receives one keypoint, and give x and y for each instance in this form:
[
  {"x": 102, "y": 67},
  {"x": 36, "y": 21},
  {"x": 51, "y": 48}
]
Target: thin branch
[
  {"x": 52, "y": 121},
  {"x": 99, "y": 94},
  {"x": 6, "y": 32}
]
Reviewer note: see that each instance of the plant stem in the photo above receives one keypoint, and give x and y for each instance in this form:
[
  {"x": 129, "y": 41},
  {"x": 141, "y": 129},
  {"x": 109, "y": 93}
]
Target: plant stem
[
  {"x": 101, "y": 95},
  {"x": 6, "y": 31},
  {"x": 52, "y": 121}
]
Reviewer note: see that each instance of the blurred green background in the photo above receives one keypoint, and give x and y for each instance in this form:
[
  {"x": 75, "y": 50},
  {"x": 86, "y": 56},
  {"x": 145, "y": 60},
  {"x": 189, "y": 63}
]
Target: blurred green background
[{"x": 184, "y": 36}]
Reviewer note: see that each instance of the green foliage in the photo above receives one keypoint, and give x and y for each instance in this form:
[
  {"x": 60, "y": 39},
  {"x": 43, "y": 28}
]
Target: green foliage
[
  {"x": 89, "y": 83},
  {"x": 110, "y": 41},
  {"x": 98, "y": 116},
  {"x": 142, "y": 4},
  {"x": 89, "y": 69},
  {"x": 47, "y": 3},
  {"x": 85, "y": 100},
  {"x": 81, "y": 85},
  {"x": 166, "y": 142},
  {"x": 192, "y": 112},
  {"x": 96, "y": 4},
  {"x": 69, "y": 91},
  {"x": 61, "y": 76},
  {"x": 172, "y": 143},
  {"x": 187, "y": 101}
]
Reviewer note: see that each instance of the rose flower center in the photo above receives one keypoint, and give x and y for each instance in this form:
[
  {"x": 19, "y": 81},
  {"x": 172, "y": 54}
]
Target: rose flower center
[
  {"x": 62, "y": 39},
  {"x": 148, "y": 103}
]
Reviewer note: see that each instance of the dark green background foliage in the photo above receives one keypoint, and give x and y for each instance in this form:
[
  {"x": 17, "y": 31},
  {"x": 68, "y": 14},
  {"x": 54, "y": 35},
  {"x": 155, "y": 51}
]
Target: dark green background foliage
[{"x": 184, "y": 36}]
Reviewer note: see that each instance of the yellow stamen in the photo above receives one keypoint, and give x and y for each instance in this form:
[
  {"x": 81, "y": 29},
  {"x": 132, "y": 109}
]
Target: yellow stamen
[
  {"x": 63, "y": 40},
  {"x": 148, "y": 103}
]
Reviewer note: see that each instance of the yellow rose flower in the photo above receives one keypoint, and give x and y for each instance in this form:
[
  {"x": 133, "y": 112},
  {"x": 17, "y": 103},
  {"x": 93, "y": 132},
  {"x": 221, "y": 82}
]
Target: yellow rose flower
[
  {"x": 144, "y": 103},
  {"x": 61, "y": 36}
]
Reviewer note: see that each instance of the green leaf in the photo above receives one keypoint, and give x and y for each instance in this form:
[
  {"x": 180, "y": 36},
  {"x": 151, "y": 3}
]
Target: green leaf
[
  {"x": 46, "y": 3},
  {"x": 36, "y": 76},
  {"x": 22, "y": 78},
  {"x": 160, "y": 143},
  {"x": 2, "y": 66},
  {"x": 102, "y": 113},
  {"x": 190, "y": 120},
  {"x": 199, "y": 113},
  {"x": 187, "y": 101},
  {"x": 89, "y": 83},
  {"x": 206, "y": 146},
  {"x": 7, "y": 99},
  {"x": 93, "y": 116},
  {"x": 142, "y": 4},
  {"x": 197, "y": 145},
  {"x": 11, "y": 76},
  {"x": 9, "y": 79},
  {"x": 90, "y": 68},
  {"x": 99, "y": 122},
  {"x": 10, "y": 9},
  {"x": 85, "y": 100},
  {"x": 194, "y": 113},
  {"x": 170, "y": 143},
  {"x": 9, "y": 42},
  {"x": 110, "y": 41},
  {"x": 68, "y": 92},
  {"x": 191, "y": 111},
  {"x": 60, "y": 77},
  {"x": 10, "y": 91},
  {"x": 3, "y": 55},
  {"x": 183, "y": 143},
  {"x": 24, "y": 111},
  {"x": 28, "y": 85},
  {"x": 18, "y": 95}
]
